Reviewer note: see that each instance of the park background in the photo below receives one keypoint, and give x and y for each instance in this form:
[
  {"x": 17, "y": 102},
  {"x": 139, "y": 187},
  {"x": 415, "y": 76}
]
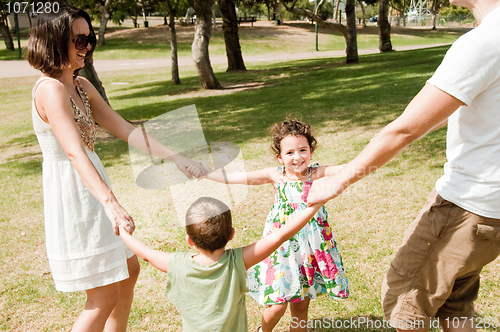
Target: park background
[{"x": 346, "y": 105}]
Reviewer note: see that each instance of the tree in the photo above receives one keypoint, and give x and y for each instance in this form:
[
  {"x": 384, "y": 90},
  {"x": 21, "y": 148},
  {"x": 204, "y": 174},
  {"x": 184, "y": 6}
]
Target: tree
[
  {"x": 363, "y": 15},
  {"x": 351, "y": 40},
  {"x": 104, "y": 21},
  {"x": 173, "y": 42},
  {"x": 202, "y": 33},
  {"x": 384, "y": 26},
  {"x": 89, "y": 73},
  {"x": 231, "y": 37},
  {"x": 435, "y": 7},
  {"x": 4, "y": 28},
  {"x": 401, "y": 6},
  {"x": 349, "y": 33}
]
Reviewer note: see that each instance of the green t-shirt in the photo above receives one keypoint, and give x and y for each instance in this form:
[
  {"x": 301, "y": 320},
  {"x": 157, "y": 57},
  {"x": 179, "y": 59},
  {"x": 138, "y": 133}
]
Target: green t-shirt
[{"x": 209, "y": 298}]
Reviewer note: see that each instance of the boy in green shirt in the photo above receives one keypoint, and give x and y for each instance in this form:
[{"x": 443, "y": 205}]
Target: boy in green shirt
[{"x": 208, "y": 288}]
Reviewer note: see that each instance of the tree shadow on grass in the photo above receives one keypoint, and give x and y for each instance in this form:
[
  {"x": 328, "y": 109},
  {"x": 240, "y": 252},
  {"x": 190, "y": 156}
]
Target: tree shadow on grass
[
  {"x": 329, "y": 95},
  {"x": 325, "y": 93}
]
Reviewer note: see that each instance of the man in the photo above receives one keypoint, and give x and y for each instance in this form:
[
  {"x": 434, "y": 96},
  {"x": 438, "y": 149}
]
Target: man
[{"x": 436, "y": 270}]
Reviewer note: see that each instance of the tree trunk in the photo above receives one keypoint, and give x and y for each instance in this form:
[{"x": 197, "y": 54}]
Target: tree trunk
[
  {"x": 89, "y": 73},
  {"x": 231, "y": 37},
  {"x": 202, "y": 32},
  {"x": 336, "y": 14},
  {"x": 384, "y": 27},
  {"x": 7, "y": 37},
  {"x": 134, "y": 18},
  {"x": 104, "y": 21},
  {"x": 173, "y": 45},
  {"x": 434, "y": 13},
  {"x": 351, "y": 41},
  {"x": 363, "y": 20},
  {"x": 144, "y": 14},
  {"x": 350, "y": 38}
]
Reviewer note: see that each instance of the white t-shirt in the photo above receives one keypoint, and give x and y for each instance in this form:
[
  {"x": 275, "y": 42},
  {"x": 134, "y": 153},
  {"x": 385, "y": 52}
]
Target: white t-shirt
[{"x": 470, "y": 72}]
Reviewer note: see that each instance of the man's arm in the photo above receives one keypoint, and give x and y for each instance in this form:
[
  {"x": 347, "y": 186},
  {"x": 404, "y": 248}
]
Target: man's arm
[{"x": 430, "y": 108}]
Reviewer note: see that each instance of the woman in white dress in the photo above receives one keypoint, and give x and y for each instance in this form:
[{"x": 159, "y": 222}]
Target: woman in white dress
[{"x": 81, "y": 213}]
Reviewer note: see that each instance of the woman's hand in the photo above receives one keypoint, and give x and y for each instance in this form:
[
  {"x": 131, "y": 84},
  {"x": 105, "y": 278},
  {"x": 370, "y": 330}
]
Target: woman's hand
[
  {"x": 119, "y": 217},
  {"x": 189, "y": 167}
]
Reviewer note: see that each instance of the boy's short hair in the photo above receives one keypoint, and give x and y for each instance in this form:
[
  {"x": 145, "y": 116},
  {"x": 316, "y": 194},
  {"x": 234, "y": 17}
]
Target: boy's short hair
[{"x": 209, "y": 224}]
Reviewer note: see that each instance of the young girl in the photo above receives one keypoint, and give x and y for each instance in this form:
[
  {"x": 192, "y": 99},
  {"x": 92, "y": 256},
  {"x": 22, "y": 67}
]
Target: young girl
[{"x": 309, "y": 263}]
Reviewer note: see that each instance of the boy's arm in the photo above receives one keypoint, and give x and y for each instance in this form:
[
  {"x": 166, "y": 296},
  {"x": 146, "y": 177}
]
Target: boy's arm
[
  {"x": 158, "y": 259},
  {"x": 259, "y": 250},
  {"x": 263, "y": 176}
]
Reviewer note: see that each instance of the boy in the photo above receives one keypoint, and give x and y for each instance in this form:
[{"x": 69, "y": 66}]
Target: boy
[{"x": 208, "y": 288}]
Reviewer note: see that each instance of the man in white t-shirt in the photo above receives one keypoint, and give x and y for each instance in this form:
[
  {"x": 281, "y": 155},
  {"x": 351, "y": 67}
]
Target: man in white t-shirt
[{"x": 436, "y": 270}]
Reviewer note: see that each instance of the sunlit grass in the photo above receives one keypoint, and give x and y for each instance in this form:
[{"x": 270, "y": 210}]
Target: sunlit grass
[{"x": 346, "y": 105}]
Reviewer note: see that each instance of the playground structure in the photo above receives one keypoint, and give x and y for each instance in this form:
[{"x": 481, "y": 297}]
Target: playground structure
[{"x": 418, "y": 11}]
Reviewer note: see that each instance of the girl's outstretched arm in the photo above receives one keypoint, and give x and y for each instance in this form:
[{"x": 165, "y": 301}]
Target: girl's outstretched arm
[
  {"x": 259, "y": 250},
  {"x": 263, "y": 176},
  {"x": 158, "y": 259}
]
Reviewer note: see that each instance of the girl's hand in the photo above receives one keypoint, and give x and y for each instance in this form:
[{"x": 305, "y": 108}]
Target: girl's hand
[
  {"x": 119, "y": 217},
  {"x": 189, "y": 167}
]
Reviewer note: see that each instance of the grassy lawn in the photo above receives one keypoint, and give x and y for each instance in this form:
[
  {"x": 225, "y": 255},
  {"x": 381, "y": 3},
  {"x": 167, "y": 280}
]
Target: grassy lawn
[
  {"x": 346, "y": 105},
  {"x": 293, "y": 37}
]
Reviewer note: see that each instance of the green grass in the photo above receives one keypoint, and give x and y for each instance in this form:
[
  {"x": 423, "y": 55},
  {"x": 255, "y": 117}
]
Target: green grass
[
  {"x": 345, "y": 104},
  {"x": 129, "y": 43}
]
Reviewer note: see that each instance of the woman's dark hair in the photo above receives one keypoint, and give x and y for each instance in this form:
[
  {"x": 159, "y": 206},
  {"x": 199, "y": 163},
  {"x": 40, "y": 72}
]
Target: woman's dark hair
[
  {"x": 292, "y": 127},
  {"x": 49, "y": 39}
]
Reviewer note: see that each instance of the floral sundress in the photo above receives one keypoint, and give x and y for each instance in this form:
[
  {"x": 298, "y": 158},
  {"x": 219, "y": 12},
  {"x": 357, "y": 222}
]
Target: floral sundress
[{"x": 309, "y": 263}]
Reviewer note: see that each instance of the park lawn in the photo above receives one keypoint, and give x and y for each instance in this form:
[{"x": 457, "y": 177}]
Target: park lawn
[
  {"x": 295, "y": 37},
  {"x": 345, "y": 104}
]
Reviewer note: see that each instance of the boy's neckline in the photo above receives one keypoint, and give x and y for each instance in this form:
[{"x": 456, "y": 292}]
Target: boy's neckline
[{"x": 208, "y": 259}]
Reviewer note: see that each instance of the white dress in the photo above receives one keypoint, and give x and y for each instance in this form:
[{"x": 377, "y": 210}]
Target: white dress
[{"x": 82, "y": 248}]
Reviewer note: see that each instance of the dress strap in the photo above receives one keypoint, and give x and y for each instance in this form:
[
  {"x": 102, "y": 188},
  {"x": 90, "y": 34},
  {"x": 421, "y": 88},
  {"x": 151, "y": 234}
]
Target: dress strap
[
  {"x": 281, "y": 170},
  {"x": 39, "y": 125},
  {"x": 311, "y": 170},
  {"x": 38, "y": 83}
]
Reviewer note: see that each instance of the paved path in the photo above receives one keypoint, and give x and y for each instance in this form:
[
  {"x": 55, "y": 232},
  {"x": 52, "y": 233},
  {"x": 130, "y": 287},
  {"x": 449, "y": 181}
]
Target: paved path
[{"x": 20, "y": 68}]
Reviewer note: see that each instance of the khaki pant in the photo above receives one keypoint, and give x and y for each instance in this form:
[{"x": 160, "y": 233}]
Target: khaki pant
[{"x": 436, "y": 270}]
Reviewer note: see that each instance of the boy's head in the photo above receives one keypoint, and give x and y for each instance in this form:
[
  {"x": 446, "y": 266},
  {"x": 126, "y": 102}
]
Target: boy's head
[{"x": 209, "y": 224}]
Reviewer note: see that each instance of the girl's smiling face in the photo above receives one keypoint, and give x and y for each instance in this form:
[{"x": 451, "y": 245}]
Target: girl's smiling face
[{"x": 295, "y": 155}]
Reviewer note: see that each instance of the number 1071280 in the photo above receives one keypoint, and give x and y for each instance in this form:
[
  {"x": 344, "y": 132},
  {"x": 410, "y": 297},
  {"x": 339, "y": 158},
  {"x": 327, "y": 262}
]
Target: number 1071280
[{"x": 32, "y": 8}]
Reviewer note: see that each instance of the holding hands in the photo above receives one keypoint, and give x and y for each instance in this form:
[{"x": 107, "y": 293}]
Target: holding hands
[
  {"x": 323, "y": 190},
  {"x": 190, "y": 168}
]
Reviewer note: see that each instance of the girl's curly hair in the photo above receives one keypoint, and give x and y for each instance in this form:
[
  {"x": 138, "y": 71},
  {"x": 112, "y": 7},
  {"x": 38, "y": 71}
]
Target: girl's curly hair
[{"x": 291, "y": 127}]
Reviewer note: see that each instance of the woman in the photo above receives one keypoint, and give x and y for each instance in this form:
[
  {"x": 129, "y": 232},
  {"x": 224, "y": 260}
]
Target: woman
[{"x": 81, "y": 213}]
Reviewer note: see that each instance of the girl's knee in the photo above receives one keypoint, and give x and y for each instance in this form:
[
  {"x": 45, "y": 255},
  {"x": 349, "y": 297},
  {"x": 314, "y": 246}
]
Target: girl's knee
[
  {"x": 277, "y": 309},
  {"x": 301, "y": 306}
]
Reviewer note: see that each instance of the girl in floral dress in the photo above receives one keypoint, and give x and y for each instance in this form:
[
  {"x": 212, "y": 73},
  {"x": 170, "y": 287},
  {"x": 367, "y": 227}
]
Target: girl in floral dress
[{"x": 309, "y": 263}]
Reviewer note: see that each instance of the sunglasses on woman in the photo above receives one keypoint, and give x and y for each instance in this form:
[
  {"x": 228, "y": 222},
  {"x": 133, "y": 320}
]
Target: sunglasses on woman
[{"x": 82, "y": 41}]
